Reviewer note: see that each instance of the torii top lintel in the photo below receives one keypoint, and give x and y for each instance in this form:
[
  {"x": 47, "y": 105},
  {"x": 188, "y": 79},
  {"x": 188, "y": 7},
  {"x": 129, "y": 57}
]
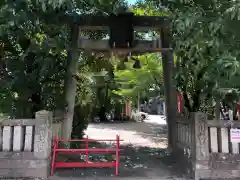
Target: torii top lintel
[
  {"x": 139, "y": 22},
  {"x": 121, "y": 32}
]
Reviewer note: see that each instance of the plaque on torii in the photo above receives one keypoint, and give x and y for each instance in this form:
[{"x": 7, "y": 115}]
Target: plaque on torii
[{"x": 121, "y": 31}]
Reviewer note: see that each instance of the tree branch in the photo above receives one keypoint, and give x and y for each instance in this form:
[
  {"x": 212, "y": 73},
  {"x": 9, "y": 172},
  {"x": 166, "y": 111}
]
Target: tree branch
[{"x": 159, "y": 84}]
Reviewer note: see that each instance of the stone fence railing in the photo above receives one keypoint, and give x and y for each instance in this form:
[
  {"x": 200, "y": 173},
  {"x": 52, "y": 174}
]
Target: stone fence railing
[
  {"x": 204, "y": 147},
  {"x": 25, "y": 146}
]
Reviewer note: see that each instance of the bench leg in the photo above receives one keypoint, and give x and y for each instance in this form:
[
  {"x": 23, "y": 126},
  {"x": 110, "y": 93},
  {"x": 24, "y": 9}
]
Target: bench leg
[
  {"x": 117, "y": 153},
  {"x": 55, "y": 146}
]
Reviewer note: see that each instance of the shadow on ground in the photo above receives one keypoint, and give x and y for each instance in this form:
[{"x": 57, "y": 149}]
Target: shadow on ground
[
  {"x": 143, "y": 155},
  {"x": 139, "y": 133},
  {"x": 134, "y": 162}
]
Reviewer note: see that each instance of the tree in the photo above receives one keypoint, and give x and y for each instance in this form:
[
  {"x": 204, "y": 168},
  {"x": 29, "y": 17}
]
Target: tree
[
  {"x": 34, "y": 50},
  {"x": 26, "y": 58},
  {"x": 101, "y": 75},
  {"x": 206, "y": 43},
  {"x": 141, "y": 81}
]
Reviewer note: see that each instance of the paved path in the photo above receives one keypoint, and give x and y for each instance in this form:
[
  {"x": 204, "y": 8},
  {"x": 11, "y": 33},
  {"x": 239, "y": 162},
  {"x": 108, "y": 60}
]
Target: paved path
[
  {"x": 142, "y": 134},
  {"x": 144, "y": 148}
]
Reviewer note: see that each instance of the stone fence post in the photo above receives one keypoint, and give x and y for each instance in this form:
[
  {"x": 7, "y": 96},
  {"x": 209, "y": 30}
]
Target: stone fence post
[
  {"x": 43, "y": 139},
  {"x": 200, "y": 141}
]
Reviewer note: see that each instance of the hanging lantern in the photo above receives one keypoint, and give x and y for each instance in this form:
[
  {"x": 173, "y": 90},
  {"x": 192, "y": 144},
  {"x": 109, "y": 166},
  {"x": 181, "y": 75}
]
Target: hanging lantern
[
  {"x": 125, "y": 59},
  {"x": 137, "y": 64},
  {"x": 121, "y": 66}
]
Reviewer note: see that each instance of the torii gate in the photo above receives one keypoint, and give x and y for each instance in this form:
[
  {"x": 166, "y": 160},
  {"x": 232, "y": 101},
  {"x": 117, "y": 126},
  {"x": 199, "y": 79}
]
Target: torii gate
[{"x": 121, "y": 29}]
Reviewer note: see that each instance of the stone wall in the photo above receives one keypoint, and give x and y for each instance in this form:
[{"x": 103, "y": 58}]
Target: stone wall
[{"x": 25, "y": 146}]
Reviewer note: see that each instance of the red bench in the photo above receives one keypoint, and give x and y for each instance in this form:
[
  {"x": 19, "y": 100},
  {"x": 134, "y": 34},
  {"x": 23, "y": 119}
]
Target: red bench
[{"x": 85, "y": 151}]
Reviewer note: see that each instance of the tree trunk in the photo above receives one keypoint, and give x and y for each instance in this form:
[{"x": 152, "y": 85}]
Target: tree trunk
[
  {"x": 70, "y": 83},
  {"x": 36, "y": 103},
  {"x": 102, "y": 114},
  {"x": 217, "y": 109}
]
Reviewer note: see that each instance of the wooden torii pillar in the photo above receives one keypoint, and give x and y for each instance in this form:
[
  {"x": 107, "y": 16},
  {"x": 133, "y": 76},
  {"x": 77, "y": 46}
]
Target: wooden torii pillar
[{"x": 125, "y": 23}]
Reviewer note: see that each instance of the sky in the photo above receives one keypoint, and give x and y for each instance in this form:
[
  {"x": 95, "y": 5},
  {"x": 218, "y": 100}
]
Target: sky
[{"x": 131, "y": 1}]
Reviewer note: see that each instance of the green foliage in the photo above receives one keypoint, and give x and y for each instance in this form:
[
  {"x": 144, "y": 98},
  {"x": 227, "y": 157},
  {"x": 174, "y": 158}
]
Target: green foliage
[
  {"x": 96, "y": 84},
  {"x": 147, "y": 10},
  {"x": 34, "y": 46},
  {"x": 32, "y": 59},
  {"x": 207, "y": 50},
  {"x": 206, "y": 43},
  {"x": 145, "y": 82},
  {"x": 33, "y": 54}
]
